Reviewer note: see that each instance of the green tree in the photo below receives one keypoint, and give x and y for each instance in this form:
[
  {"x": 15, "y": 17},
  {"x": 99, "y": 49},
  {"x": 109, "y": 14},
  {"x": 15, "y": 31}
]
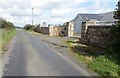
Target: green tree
[
  {"x": 28, "y": 27},
  {"x": 6, "y": 25},
  {"x": 117, "y": 12},
  {"x": 115, "y": 31}
]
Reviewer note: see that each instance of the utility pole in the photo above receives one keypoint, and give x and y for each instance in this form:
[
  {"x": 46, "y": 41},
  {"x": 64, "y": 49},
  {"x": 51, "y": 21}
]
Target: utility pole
[{"x": 32, "y": 17}]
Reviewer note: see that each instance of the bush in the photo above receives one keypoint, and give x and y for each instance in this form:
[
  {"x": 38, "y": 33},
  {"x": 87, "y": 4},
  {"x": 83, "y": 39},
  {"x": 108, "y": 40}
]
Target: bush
[
  {"x": 28, "y": 27},
  {"x": 115, "y": 31},
  {"x": 6, "y": 25},
  {"x": 7, "y": 31}
]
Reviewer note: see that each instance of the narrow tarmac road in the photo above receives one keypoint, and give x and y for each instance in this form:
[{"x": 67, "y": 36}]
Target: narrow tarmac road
[{"x": 27, "y": 55}]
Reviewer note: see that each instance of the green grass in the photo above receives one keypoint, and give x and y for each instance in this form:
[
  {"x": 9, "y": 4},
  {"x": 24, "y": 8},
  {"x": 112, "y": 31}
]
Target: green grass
[
  {"x": 95, "y": 61},
  {"x": 69, "y": 43},
  {"x": 6, "y": 37},
  {"x": 104, "y": 66},
  {"x": 83, "y": 58}
]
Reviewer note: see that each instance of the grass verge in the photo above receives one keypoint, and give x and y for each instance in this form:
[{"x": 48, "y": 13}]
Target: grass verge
[
  {"x": 95, "y": 60},
  {"x": 6, "y": 37}
]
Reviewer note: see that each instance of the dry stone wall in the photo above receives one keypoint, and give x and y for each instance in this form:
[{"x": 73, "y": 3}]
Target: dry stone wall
[{"x": 96, "y": 35}]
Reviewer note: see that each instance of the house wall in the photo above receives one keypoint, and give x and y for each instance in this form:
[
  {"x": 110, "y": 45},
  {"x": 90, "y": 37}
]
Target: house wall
[
  {"x": 71, "y": 28},
  {"x": 77, "y": 25},
  {"x": 96, "y": 35},
  {"x": 51, "y": 32}
]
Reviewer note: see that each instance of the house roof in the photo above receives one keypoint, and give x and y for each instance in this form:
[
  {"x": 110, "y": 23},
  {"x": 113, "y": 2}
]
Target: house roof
[
  {"x": 92, "y": 16},
  {"x": 108, "y": 16},
  {"x": 99, "y": 17}
]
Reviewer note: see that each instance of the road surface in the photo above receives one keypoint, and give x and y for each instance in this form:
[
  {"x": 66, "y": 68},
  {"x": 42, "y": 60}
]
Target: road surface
[{"x": 27, "y": 55}]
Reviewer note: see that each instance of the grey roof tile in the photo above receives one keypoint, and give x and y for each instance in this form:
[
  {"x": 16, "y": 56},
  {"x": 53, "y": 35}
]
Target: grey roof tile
[
  {"x": 108, "y": 16},
  {"x": 99, "y": 17},
  {"x": 92, "y": 16}
]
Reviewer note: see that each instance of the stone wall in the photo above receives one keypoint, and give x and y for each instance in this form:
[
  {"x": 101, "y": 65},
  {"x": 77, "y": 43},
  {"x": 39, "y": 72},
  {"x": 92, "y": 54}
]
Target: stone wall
[
  {"x": 53, "y": 30},
  {"x": 58, "y": 31},
  {"x": 96, "y": 35},
  {"x": 45, "y": 30},
  {"x": 37, "y": 29}
]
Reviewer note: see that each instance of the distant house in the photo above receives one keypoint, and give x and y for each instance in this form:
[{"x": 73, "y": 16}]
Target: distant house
[{"x": 81, "y": 17}]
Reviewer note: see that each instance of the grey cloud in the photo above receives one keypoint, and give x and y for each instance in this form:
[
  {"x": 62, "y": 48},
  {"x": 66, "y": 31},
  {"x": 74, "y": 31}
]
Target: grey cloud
[{"x": 23, "y": 13}]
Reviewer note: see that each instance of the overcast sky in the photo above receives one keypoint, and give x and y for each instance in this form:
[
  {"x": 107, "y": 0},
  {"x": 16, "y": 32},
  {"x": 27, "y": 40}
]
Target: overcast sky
[{"x": 51, "y": 11}]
